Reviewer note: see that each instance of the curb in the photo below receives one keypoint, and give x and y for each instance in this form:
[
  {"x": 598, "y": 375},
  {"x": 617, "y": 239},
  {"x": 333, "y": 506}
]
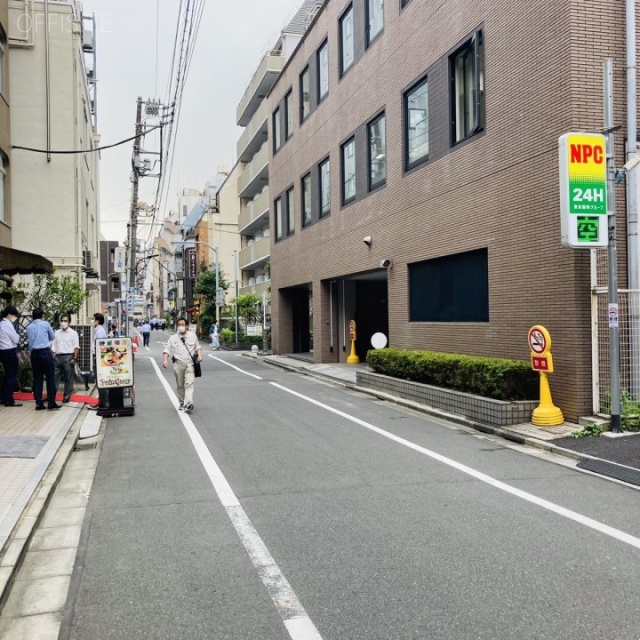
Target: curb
[
  {"x": 13, "y": 552},
  {"x": 542, "y": 445}
]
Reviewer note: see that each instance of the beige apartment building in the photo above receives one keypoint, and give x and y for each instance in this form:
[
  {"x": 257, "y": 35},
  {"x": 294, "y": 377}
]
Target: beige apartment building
[
  {"x": 252, "y": 113},
  {"x": 414, "y": 185},
  {"x": 54, "y": 197},
  {"x": 5, "y": 130}
]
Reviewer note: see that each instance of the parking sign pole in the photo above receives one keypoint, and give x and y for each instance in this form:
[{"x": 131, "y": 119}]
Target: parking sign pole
[{"x": 612, "y": 251}]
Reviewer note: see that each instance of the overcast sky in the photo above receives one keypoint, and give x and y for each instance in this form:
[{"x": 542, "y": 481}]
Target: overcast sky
[{"x": 233, "y": 36}]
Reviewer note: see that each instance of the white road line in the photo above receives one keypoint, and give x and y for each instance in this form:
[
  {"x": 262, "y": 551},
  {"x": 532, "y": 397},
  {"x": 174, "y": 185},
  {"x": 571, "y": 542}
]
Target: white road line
[
  {"x": 246, "y": 373},
  {"x": 293, "y": 614},
  {"x": 541, "y": 502}
]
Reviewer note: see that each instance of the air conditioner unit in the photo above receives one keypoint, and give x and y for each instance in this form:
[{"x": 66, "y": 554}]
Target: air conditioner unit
[
  {"x": 86, "y": 259},
  {"x": 87, "y": 41}
]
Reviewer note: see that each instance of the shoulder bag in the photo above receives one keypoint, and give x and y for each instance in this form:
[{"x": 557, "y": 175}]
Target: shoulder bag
[{"x": 197, "y": 368}]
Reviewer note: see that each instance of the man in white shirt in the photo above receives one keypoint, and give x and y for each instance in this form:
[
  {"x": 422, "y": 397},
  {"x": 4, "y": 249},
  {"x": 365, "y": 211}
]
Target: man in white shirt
[
  {"x": 183, "y": 347},
  {"x": 66, "y": 349},
  {"x": 99, "y": 333},
  {"x": 9, "y": 340}
]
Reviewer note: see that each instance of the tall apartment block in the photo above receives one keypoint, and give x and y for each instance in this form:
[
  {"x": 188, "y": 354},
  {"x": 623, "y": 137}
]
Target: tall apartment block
[
  {"x": 413, "y": 178},
  {"x": 253, "y": 155}
]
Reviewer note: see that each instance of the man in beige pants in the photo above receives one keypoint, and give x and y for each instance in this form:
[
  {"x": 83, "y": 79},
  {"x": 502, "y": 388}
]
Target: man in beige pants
[{"x": 182, "y": 347}]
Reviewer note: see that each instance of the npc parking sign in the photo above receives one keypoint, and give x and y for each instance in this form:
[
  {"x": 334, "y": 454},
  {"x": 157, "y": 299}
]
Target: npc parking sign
[{"x": 583, "y": 190}]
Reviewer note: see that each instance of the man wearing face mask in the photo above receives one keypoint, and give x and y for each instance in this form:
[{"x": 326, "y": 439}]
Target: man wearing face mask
[
  {"x": 9, "y": 340},
  {"x": 99, "y": 332},
  {"x": 66, "y": 347},
  {"x": 182, "y": 347}
]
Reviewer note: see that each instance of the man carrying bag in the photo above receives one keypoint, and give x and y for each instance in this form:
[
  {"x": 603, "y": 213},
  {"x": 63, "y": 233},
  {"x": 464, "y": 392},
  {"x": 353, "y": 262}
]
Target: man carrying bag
[{"x": 186, "y": 354}]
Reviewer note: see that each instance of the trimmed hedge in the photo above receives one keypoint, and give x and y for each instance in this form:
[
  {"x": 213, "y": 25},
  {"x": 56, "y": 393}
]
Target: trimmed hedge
[{"x": 497, "y": 378}]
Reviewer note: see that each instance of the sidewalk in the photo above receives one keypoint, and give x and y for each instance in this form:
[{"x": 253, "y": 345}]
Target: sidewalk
[
  {"x": 617, "y": 458},
  {"x": 34, "y": 446}
]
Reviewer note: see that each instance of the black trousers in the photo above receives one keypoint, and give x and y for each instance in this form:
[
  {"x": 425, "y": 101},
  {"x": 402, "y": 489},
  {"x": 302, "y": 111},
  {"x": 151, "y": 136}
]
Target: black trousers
[
  {"x": 43, "y": 367},
  {"x": 9, "y": 361}
]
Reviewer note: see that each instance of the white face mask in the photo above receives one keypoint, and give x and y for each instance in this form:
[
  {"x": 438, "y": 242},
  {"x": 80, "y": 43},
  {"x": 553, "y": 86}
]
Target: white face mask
[
  {"x": 64, "y": 325},
  {"x": 181, "y": 329}
]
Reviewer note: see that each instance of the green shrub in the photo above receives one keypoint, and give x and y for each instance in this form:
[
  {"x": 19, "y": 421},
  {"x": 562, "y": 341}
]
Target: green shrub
[
  {"x": 497, "y": 378},
  {"x": 227, "y": 335}
]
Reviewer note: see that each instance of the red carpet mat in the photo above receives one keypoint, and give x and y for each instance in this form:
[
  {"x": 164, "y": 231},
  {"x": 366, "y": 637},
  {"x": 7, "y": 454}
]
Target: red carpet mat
[{"x": 74, "y": 398}]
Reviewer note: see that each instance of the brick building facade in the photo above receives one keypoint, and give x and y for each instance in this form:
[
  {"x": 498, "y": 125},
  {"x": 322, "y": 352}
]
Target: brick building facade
[{"x": 440, "y": 123}]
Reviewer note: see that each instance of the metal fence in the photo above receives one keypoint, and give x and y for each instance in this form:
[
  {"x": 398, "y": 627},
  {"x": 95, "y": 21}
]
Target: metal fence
[{"x": 629, "y": 336}]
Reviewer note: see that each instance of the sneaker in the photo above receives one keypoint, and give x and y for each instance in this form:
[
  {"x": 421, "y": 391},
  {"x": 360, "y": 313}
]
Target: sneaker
[
  {"x": 65, "y": 400},
  {"x": 181, "y": 407},
  {"x": 188, "y": 408},
  {"x": 54, "y": 406},
  {"x": 40, "y": 407}
]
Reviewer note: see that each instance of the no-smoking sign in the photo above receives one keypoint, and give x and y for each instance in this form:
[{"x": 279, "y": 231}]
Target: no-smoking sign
[{"x": 539, "y": 341}]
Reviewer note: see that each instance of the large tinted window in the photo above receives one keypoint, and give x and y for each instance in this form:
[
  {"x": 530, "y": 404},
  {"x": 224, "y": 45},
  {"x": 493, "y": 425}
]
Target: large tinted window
[
  {"x": 278, "y": 218},
  {"x": 291, "y": 212},
  {"x": 325, "y": 188},
  {"x": 306, "y": 200},
  {"x": 377, "y": 152},
  {"x": 450, "y": 289},
  {"x": 305, "y": 96},
  {"x": 375, "y": 18},
  {"x": 349, "y": 171},
  {"x": 323, "y": 71},
  {"x": 416, "y": 119},
  {"x": 347, "y": 50}
]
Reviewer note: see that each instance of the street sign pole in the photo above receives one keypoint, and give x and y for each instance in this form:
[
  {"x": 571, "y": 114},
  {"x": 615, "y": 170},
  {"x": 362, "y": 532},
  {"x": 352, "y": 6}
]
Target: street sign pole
[{"x": 612, "y": 251}]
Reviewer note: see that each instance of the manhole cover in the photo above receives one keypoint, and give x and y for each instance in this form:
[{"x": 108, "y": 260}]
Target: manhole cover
[{"x": 85, "y": 447}]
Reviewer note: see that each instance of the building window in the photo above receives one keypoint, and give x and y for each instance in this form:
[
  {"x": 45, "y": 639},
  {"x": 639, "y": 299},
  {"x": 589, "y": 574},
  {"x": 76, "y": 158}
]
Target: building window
[
  {"x": 288, "y": 115},
  {"x": 467, "y": 89},
  {"x": 278, "y": 218},
  {"x": 450, "y": 289},
  {"x": 305, "y": 95},
  {"x": 377, "y": 136},
  {"x": 347, "y": 49},
  {"x": 115, "y": 285},
  {"x": 323, "y": 71},
  {"x": 291, "y": 212},
  {"x": 416, "y": 118},
  {"x": 4, "y": 196},
  {"x": 306, "y": 199},
  {"x": 276, "y": 130},
  {"x": 3, "y": 48},
  {"x": 325, "y": 187},
  {"x": 375, "y": 19},
  {"x": 349, "y": 171},
  {"x": 404, "y": 3}
]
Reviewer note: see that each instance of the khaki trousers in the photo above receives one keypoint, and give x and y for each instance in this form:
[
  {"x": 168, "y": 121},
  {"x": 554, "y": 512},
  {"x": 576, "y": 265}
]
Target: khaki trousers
[{"x": 184, "y": 381}]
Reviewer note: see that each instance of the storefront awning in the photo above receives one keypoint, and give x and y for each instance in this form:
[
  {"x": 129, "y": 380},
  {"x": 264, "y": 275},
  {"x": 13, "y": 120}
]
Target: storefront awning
[{"x": 13, "y": 261}]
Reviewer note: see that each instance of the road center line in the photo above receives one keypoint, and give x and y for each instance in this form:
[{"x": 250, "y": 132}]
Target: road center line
[
  {"x": 545, "y": 504},
  {"x": 246, "y": 373},
  {"x": 293, "y": 614}
]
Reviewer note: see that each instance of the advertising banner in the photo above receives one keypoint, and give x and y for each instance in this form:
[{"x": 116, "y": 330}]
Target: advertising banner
[{"x": 114, "y": 363}]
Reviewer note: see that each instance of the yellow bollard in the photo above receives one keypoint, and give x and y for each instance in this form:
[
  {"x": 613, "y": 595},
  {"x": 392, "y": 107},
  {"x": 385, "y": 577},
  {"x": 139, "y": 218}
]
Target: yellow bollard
[
  {"x": 546, "y": 414},
  {"x": 353, "y": 358}
]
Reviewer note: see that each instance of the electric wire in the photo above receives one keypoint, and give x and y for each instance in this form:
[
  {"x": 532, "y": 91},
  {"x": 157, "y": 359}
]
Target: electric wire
[{"x": 75, "y": 151}]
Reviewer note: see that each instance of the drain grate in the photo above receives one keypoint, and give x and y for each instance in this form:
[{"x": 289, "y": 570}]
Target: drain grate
[
  {"x": 632, "y": 476},
  {"x": 85, "y": 447}
]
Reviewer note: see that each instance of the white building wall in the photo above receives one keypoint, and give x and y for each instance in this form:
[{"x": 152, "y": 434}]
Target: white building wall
[{"x": 55, "y": 198}]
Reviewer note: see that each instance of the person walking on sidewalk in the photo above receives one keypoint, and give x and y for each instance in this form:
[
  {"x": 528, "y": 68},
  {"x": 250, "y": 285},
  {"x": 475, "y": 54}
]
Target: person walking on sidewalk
[
  {"x": 145, "y": 329},
  {"x": 183, "y": 347},
  {"x": 9, "y": 340},
  {"x": 66, "y": 348},
  {"x": 40, "y": 335}
]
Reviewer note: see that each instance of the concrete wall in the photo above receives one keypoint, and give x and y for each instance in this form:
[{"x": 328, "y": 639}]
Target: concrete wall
[{"x": 5, "y": 127}]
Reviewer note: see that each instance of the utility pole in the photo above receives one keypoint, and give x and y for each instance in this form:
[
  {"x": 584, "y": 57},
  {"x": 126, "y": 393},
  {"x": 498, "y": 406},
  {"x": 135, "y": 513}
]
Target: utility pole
[
  {"x": 612, "y": 251},
  {"x": 133, "y": 224},
  {"x": 235, "y": 275}
]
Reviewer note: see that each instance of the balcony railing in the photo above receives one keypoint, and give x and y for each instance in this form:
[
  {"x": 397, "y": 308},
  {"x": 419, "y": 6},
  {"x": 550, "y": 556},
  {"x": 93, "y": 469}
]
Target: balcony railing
[
  {"x": 255, "y": 215},
  {"x": 255, "y": 254},
  {"x": 263, "y": 79},
  {"x": 258, "y": 288},
  {"x": 255, "y": 175},
  {"x": 254, "y": 134}
]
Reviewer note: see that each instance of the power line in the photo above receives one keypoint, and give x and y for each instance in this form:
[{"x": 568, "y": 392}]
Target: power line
[{"x": 109, "y": 146}]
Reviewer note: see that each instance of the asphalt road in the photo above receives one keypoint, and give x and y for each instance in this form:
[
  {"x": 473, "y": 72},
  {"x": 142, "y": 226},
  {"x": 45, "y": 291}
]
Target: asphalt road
[{"x": 284, "y": 507}]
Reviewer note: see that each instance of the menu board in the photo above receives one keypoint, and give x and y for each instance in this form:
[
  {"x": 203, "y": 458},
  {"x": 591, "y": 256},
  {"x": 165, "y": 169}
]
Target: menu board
[{"x": 114, "y": 363}]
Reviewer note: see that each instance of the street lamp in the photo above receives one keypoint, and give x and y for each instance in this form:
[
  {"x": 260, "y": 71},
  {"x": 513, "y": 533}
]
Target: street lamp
[{"x": 215, "y": 251}]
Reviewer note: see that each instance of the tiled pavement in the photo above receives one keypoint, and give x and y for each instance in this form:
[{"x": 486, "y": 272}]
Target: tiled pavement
[{"x": 23, "y": 492}]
